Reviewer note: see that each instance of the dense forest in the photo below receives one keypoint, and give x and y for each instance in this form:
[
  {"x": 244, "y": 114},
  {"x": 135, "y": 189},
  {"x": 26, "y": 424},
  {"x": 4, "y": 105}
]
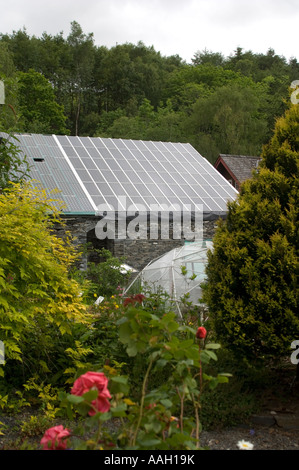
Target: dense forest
[{"x": 71, "y": 86}]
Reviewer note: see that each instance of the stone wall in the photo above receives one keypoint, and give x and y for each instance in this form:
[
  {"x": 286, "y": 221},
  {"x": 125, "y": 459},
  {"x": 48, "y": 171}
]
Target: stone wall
[{"x": 137, "y": 253}]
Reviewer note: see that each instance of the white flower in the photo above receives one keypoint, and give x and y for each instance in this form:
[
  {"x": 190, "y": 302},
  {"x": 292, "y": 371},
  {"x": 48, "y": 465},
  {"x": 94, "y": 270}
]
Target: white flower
[{"x": 244, "y": 445}]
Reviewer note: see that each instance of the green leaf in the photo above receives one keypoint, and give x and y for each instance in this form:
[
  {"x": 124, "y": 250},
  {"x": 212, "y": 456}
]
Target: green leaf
[
  {"x": 188, "y": 329},
  {"x": 167, "y": 403},
  {"x": 132, "y": 350},
  {"x": 62, "y": 396},
  {"x": 119, "y": 384},
  {"x": 213, "y": 383},
  {"x": 90, "y": 395},
  {"x": 161, "y": 363},
  {"x": 224, "y": 374},
  {"x": 125, "y": 333},
  {"x": 212, "y": 346},
  {"x": 74, "y": 399},
  {"x": 205, "y": 357},
  {"x": 119, "y": 410},
  {"x": 212, "y": 355},
  {"x": 207, "y": 377},
  {"x": 120, "y": 379},
  {"x": 149, "y": 442},
  {"x": 104, "y": 416},
  {"x": 222, "y": 379},
  {"x": 172, "y": 326}
]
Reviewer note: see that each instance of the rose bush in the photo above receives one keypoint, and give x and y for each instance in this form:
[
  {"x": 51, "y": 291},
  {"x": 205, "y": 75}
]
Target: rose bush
[{"x": 153, "y": 417}]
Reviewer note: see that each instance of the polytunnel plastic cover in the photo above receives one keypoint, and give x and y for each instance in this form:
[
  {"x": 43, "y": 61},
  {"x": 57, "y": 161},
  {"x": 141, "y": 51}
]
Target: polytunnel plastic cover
[{"x": 166, "y": 273}]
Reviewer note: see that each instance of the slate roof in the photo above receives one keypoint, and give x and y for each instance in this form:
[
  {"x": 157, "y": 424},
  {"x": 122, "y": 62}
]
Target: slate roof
[
  {"x": 239, "y": 166},
  {"x": 90, "y": 171}
]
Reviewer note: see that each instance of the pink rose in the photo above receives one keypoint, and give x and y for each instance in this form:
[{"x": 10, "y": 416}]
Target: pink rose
[
  {"x": 94, "y": 381},
  {"x": 201, "y": 333},
  {"x": 55, "y": 438}
]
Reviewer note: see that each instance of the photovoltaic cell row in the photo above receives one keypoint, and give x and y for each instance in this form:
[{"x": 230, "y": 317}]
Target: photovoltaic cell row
[
  {"x": 50, "y": 168},
  {"x": 132, "y": 171}
]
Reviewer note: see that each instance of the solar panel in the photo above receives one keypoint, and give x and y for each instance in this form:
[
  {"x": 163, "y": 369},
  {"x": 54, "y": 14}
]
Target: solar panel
[{"x": 91, "y": 170}]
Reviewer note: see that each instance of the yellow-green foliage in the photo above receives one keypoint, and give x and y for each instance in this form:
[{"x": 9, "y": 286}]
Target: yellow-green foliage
[{"x": 38, "y": 300}]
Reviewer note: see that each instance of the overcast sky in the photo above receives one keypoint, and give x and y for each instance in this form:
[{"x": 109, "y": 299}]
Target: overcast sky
[{"x": 172, "y": 26}]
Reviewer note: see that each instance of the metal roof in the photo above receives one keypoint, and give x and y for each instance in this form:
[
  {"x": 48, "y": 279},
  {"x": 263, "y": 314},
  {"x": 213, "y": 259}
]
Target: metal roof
[{"x": 90, "y": 171}]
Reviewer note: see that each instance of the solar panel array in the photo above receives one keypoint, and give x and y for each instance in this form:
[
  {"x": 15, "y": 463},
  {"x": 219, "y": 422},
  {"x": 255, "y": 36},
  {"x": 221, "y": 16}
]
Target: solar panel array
[{"x": 90, "y": 171}]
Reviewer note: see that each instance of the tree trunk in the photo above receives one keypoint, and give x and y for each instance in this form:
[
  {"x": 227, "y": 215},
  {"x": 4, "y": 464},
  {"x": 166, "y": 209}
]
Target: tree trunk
[{"x": 77, "y": 116}]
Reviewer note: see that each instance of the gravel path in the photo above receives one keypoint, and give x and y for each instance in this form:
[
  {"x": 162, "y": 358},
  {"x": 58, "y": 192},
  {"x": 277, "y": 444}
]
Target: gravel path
[
  {"x": 262, "y": 438},
  {"x": 275, "y": 428}
]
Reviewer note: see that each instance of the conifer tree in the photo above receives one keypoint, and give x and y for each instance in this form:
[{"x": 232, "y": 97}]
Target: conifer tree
[{"x": 252, "y": 273}]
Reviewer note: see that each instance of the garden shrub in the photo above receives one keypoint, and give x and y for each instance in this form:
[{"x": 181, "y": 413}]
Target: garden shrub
[
  {"x": 101, "y": 279},
  {"x": 40, "y": 305}
]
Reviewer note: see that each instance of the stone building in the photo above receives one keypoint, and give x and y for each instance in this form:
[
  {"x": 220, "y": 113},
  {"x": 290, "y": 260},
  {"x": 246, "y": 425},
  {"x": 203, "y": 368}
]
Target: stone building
[{"x": 119, "y": 193}]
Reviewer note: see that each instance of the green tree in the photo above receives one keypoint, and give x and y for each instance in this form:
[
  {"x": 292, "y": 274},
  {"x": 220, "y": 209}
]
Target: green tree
[
  {"x": 82, "y": 67},
  {"x": 271, "y": 70},
  {"x": 164, "y": 124},
  {"x": 252, "y": 273},
  {"x": 229, "y": 120},
  {"x": 14, "y": 167},
  {"x": 8, "y": 111},
  {"x": 188, "y": 83},
  {"x": 135, "y": 72},
  {"x": 167, "y": 125},
  {"x": 208, "y": 57},
  {"x": 23, "y": 48},
  {"x": 7, "y": 67},
  {"x": 37, "y": 105}
]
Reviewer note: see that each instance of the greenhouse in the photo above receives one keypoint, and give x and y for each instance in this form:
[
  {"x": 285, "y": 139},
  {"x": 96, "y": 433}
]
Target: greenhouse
[{"x": 180, "y": 273}]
